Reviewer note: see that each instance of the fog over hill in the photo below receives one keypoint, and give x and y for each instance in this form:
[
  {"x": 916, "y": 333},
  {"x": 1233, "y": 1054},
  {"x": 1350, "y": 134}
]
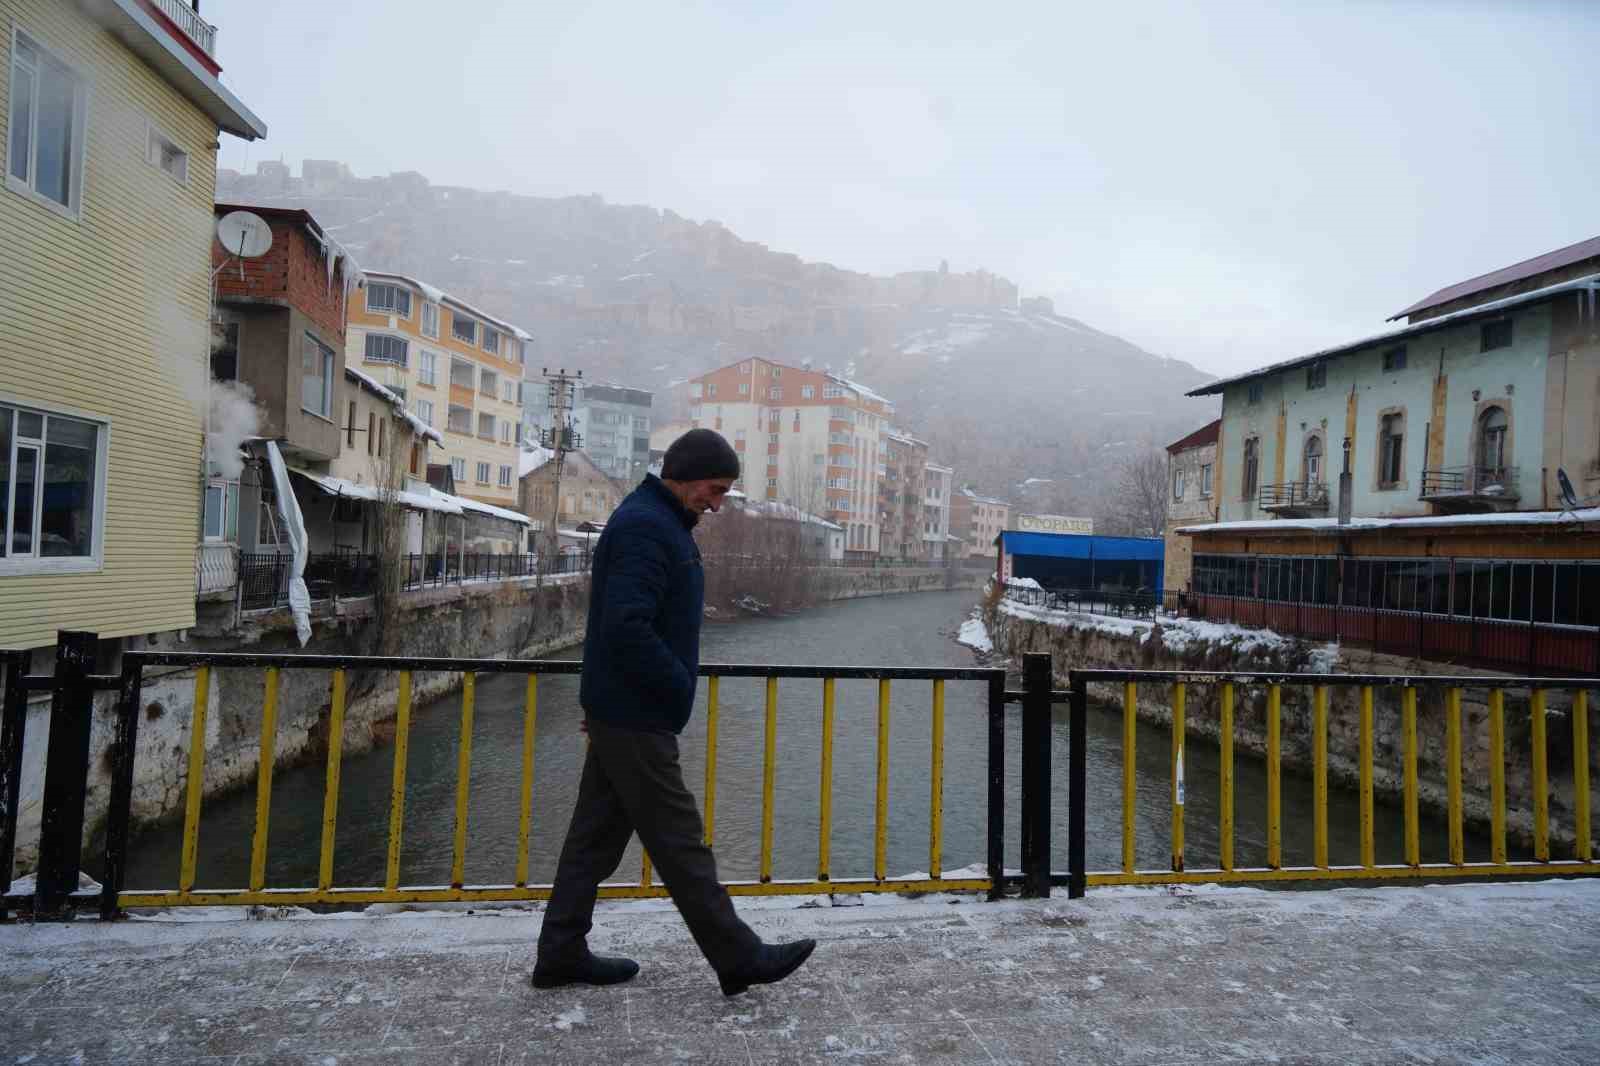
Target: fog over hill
[{"x": 1003, "y": 389}]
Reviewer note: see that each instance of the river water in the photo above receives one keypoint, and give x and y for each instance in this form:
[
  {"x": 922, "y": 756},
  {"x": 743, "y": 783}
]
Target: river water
[{"x": 910, "y": 630}]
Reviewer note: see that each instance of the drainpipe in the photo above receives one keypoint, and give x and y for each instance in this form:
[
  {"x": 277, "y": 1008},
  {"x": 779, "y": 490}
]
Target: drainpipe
[{"x": 1345, "y": 486}]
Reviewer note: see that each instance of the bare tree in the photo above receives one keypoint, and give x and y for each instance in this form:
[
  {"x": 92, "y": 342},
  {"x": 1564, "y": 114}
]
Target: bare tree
[{"x": 1137, "y": 504}]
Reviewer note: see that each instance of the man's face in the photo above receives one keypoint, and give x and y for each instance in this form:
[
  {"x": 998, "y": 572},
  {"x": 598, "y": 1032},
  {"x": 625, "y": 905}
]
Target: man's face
[{"x": 707, "y": 495}]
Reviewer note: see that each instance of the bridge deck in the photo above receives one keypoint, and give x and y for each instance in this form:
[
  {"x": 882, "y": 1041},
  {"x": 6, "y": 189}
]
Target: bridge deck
[{"x": 1484, "y": 974}]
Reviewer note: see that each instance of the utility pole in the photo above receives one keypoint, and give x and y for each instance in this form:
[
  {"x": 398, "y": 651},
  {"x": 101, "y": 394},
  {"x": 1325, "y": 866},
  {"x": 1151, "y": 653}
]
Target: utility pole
[{"x": 561, "y": 390}]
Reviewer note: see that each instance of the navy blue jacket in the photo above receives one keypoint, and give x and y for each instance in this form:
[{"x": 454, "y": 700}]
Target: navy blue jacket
[{"x": 641, "y": 654}]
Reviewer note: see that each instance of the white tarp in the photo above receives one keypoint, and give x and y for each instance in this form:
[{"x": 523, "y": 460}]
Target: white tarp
[
  {"x": 416, "y": 501},
  {"x": 294, "y": 526}
]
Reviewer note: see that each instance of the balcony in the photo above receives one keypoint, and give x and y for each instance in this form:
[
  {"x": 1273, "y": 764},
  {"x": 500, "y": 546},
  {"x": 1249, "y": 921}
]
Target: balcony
[
  {"x": 216, "y": 568},
  {"x": 200, "y": 32},
  {"x": 1470, "y": 488},
  {"x": 1295, "y": 499}
]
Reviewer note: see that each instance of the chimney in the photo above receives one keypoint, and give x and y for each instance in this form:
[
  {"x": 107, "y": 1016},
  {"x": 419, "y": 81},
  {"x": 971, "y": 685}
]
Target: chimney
[{"x": 1345, "y": 487}]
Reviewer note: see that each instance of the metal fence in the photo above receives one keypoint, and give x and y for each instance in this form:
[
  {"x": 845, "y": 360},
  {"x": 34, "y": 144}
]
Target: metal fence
[
  {"x": 1093, "y": 601},
  {"x": 264, "y": 576}
]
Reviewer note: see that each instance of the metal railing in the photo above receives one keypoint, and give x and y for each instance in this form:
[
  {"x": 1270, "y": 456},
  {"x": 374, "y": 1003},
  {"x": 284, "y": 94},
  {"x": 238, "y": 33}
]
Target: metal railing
[
  {"x": 1471, "y": 481},
  {"x": 216, "y": 568},
  {"x": 197, "y": 29},
  {"x": 264, "y": 576},
  {"x": 1138, "y": 603},
  {"x": 1294, "y": 495},
  {"x": 65, "y": 790}
]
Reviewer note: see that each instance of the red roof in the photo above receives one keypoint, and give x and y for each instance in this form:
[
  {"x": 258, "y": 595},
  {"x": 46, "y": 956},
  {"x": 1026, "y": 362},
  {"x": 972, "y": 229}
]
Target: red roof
[
  {"x": 1206, "y": 434},
  {"x": 1572, "y": 253}
]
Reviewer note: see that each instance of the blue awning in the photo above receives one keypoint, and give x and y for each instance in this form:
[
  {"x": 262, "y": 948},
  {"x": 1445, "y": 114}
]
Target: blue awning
[{"x": 1082, "y": 546}]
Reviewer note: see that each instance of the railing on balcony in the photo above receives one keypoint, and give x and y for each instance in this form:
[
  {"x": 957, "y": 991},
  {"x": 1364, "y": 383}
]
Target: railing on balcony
[
  {"x": 1475, "y": 482},
  {"x": 1294, "y": 496},
  {"x": 216, "y": 568},
  {"x": 264, "y": 577},
  {"x": 189, "y": 21}
]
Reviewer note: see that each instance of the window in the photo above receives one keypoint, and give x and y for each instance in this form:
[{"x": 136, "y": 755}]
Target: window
[
  {"x": 1316, "y": 375},
  {"x": 1252, "y": 466},
  {"x": 505, "y": 477},
  {"x": 220, "y": 518},
  {"x": 1492, "y": 428},
  {"x": 1177, "y": 484},
  {"x": 744, "y": 368},
  {"x": 460, "y": 421},
  {"x": 163, "y": 153},
  {"x": 463, "y": 373},
  {"x": 744, "y": 388},
  {"x": 483, "y": 473},
  {"x": 1391, "y": 449},
  {"x": 488, "y": 382},
  {"x": 463, "y": 329},
  {"x": 1311, "y": 461},
  {"x": 350, "y": 426},
  {"x": 46, "y": 127},
  {"x": 388, "y": 299},
  {"x": 381, "y": 348},
  {"x": 738, "y": 434},
  {"x": 505, "y": 431},
  {"x": 1205, "y": 482},
  {"x": 383, "y": 437},
  {"x": 1253, "y": 392},
  {"x": 486, "y": 426},
  {"x": 425, "y": 411},
  {"x": 430, "y": 319},
  {"x": 807, "y": 392},
  {"x": 775, "y": 393},
  {"x": 269, "y": 532},
  {"x": 1494, "y": 335},
  {"x": 316, "y": 377},
  {"x": 1394, "y": 359},
  {"x": 711, "y": 391},
  {"x": 458, "y": 469},
  {"x": 509, "y": 390},
  {"x": 427, "y": 368},
  {"x": 50, "y": 486}
]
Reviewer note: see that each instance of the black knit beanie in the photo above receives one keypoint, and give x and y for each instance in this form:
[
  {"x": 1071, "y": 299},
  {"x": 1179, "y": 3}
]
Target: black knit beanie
[{"x": 699, "y": 455}]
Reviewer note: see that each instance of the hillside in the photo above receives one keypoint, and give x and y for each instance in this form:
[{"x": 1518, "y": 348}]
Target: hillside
[{"x": 646, "y": 297}]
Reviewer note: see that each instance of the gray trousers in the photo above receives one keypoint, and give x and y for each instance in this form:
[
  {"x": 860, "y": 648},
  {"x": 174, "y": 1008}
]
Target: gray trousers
[{"x": 632, "y": 783}]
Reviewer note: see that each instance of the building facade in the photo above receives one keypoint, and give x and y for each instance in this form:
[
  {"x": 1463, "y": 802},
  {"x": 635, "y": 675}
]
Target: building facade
[
  {"x": 458, "y": 369},
  {"x": 978, "y": 520},
  {"x": 1192, "y": 473},
  {"x": 110, "y": 116},
  {"x": 614, "y": 424},
  {"x": 900, "y": 496},
  {"x": 937, "y": 482},
  {"x": 588, "y": 493}
]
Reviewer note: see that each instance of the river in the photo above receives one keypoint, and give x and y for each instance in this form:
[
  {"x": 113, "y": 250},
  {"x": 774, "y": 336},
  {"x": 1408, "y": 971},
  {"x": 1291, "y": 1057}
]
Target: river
[{"x": 909, "y": 630}]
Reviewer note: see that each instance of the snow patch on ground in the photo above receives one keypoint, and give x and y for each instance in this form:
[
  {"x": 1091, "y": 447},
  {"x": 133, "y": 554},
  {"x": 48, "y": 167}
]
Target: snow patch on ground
[
  {"x": 975, "y": 635},
  {"x": 946, "y": 338}
]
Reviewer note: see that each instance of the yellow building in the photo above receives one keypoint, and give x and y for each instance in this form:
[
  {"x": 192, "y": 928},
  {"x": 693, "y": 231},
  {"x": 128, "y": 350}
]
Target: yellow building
[
  {"x": 459, "y": 370},
  {"x": 109, "y": 118}
]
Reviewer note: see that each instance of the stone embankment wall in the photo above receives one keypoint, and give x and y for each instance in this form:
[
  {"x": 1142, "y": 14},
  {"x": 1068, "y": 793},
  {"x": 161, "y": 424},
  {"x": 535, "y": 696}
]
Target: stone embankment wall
[
  {"x": 1082, "y": 642},
  {"x": 844, "y": 583}
]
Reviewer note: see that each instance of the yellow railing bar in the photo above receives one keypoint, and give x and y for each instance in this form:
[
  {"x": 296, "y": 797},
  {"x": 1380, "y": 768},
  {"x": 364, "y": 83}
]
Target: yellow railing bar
[
  {"x": 936, "y": 787},
  {"x": 530, "y": 715},
  {"x": 269, "y": 740},
  {"x": 397, "y": 782},
  {"x": 1452, "y": 711},
  {"x": 330, "y": 788},
  {"x": 469, "y": 698},
  {"x": 712, "y": 686},
  {"x": 644, "y": 868},
  {"x": 1274, "y": 777},
  {"x": 880, "y": 845},
  {"x": 769, "y": 760},
  {"x": 197, "y": 780},
  {"x": 1408, "y": 746},
  {"x": 1130, "y": 781},
  {"x": 1319, "y": 774},
  {"x": 1580, "y": 773},
  {"x": 825, "y": 786},
  {"x": 1368, "y": 851},
  {"x": 1225, "y": 773},
  {"x": 1497, "y": 775},
  {"x": 1541, "y": 780},
  {"x": 1179, "y": 699}
]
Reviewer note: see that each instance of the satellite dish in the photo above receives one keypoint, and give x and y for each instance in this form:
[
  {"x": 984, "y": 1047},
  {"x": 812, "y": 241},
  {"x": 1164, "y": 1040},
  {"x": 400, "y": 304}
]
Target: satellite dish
[
  {"x": 244, "y": 234},
  {"x": 1568, "y": 496}
]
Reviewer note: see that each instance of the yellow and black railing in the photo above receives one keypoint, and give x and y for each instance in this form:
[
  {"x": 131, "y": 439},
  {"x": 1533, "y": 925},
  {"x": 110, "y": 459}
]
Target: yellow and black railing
[
  {"x": 1228, "y": 687},
  {"x": 66, "y": 772}
]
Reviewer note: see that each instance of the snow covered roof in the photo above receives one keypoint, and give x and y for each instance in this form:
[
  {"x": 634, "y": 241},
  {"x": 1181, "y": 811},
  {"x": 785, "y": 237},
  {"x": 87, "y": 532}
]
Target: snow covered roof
[
  {"x": 531, "y": 459},
  {"x": 861, "y": 390},
  {"x": 1582, "y": 516},
  {"x": 937, "y": 469},
  {"x": 416, "y": 501},
  {"x": 466, "y": 504},
  {"x": 969, "y": 494},
  {"x": 1572, "y": 253},
  {"x": 1589, "y": 283},
  {"x": 418, "y": 426},
  {"x": 438, "y": 295}
]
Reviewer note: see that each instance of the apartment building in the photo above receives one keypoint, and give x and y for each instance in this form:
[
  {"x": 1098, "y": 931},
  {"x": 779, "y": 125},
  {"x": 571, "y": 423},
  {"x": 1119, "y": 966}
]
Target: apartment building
[
  {"x": 110, "y": 113},
  {"x": 614, "y": 424},
  {"x": 808, "y": 438},
  {"x": 977, "y": 520},
  {"x": 900, "y": 496},
  {"x": 458, "y": 369},
  {"x": 937, "y": 483},
  {"x": 1192, "y": 470}
]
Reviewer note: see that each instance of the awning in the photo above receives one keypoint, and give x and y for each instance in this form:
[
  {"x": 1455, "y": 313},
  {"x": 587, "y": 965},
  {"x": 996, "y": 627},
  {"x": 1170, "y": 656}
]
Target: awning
[
  {"x": 465, "y": 504},
  {"x": 416, "y": 501},
  {"x": 1082, "y": 546}
]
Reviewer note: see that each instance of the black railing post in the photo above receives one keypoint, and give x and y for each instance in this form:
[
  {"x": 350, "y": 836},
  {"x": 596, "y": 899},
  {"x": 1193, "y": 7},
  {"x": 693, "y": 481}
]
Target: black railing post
[
  {"x": 119, "y": 812},
  {"x": 1036, "y": 775},
  {"x": 997, "y": 785},
  {"x": 1077, "y": 788},
  {"x": 66, "y": 774},
  {"x": 13, "y": 720}
]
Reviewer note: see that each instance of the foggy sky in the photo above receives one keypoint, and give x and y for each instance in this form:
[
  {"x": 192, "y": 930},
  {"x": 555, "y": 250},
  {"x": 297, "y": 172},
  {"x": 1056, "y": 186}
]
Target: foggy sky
[{"x": 1229, "y": 186}]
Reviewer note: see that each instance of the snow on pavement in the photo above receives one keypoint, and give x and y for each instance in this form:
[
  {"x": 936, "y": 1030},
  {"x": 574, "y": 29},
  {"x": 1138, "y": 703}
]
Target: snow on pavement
[{"x": 1455, "y": 973}]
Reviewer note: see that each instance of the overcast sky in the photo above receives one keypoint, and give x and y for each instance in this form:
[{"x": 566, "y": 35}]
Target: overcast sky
[{"x": 1228, "y": 184}]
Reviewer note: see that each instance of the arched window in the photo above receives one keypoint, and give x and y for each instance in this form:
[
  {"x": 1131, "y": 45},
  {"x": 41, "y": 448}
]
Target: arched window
[
  {"x": 1492, "y": 426},
  {"x": 1391, "y": 449},
  {"x": 1311, "y": 463}
]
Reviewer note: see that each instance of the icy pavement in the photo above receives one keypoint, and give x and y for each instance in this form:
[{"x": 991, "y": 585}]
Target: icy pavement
[{"x": 1481, "y": 974}]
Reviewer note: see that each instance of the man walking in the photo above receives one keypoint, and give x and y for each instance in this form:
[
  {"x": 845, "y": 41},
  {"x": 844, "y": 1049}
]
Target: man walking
[{"x": 641, "y": 658}]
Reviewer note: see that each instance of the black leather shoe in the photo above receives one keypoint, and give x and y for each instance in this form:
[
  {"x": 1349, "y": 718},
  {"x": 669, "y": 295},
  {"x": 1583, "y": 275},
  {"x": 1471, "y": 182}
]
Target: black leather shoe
[
  {"x": 772, "y": 963},
  {"x": 591, "y": 970}
]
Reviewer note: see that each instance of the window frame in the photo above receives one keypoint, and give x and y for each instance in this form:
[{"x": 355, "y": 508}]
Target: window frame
[
  {"x": 484, "y": 469},
  {"x": 34, "y": 563},
  {"x": 1317, "y": 375},
  {"x": 368, "y": 357},
  {"x": 427, "y": 419},
  {"x": 487, "y": 334},
  {"x": 1386, "y": 419},
  {"x": 1485, "y": 338},
  {"x": 427, "y": 368},
  {"x": 458, "y": 318},
  {"x": 461, "y": 474},
  {"x": 330, "y": 365},
  {"x": 1206, "y": 474},
  {"x": 397, "y": 288},
  {"x": 1254, "y": 392},
  {"x": 422, "y": 321},
  {"x": 505, "y": 476},
  {"x": 153, "y": 134},
  {"x": 82, "y": 87},
  {"x": 1394, "y": 359}
]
